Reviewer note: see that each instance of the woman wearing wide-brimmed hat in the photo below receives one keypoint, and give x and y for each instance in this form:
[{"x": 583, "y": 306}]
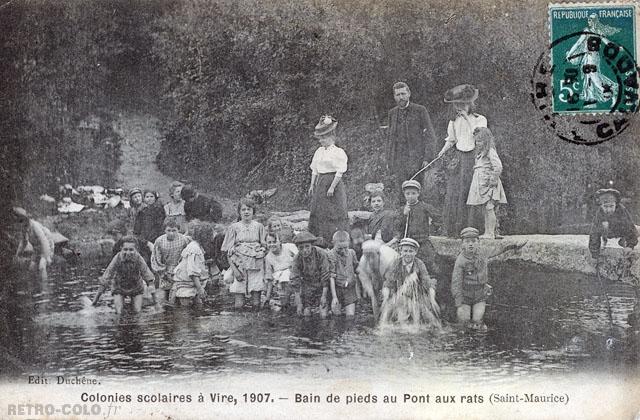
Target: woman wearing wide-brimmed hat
[
  {"x": 328, "y": 195},
  {"x": 460, "y": 168}
]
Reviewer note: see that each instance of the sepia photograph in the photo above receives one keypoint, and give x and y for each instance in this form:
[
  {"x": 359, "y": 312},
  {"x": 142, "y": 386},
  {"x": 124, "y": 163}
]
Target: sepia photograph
[{"x": 320, "y": 209}]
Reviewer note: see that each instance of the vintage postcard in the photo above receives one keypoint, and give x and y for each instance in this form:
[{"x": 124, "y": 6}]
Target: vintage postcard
[{"x": 321, "y": 209}]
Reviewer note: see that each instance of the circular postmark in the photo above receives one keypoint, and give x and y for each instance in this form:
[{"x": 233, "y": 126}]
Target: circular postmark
[{"x": 589, "y": 95}]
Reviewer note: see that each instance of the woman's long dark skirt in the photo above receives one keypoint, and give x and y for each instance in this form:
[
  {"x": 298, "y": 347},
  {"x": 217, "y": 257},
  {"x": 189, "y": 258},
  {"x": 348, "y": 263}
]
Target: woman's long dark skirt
[
  {"x": 328, "y": 214},
  {"x": 457, "y": 215}
]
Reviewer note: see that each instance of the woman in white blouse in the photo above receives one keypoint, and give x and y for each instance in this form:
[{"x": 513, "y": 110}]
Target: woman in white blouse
[
  {"x": 328, "y": 195},
  {"x": 460, "y": 171}
]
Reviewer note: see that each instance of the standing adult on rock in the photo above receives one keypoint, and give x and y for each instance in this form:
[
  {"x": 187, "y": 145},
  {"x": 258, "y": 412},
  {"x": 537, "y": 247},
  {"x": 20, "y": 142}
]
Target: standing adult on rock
[
  {"x": 411, "y": 139},
  {"x": 328, "y": 195}
]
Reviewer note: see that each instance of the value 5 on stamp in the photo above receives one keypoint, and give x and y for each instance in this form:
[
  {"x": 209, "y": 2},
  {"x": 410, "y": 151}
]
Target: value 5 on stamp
[{"x": 593, "y": 54}]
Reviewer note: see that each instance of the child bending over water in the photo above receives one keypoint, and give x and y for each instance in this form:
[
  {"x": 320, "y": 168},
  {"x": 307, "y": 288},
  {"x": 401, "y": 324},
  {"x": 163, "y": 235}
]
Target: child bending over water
[
  {"x": 278, "y": 269},
  {"x": 310, "y": 274},
  {"x": 126, "y": 275}
]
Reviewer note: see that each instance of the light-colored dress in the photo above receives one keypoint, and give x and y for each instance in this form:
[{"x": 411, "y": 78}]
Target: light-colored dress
[
  {"x": 165, "y": 257},
  {"x": 176, "y": 212},
  {"x": 486, "y": 184},
  {"x": 247, "y": 242},
  {"x": 191, "y": 264},
  {"x": 278, "y": 267}
]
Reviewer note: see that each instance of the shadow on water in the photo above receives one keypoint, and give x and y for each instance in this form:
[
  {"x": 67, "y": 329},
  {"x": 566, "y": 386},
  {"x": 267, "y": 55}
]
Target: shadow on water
[{"x": 539, "y": 322}]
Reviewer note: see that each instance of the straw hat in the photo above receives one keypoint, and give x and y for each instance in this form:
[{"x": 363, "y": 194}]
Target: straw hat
[
  {"x": 461, "y": 93},
  {"x": 325, "y": 126},
  {"x": 410, "y": 242}
]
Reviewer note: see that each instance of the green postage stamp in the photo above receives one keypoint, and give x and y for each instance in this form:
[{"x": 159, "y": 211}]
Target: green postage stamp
[{"x": 594, "y": 51}]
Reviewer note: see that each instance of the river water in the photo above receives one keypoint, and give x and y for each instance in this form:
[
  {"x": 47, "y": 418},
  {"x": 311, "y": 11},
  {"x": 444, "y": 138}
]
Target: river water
[{"x": 539, "y": 323}]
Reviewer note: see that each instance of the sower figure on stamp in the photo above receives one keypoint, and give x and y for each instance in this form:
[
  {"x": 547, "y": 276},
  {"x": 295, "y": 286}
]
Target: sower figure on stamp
[{"x": 411, "y": 139}]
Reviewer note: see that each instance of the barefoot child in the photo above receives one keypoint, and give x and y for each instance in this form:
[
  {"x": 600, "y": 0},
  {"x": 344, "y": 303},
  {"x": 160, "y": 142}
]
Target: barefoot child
[
  {"x": 166, "y": 255},
  {"x": 310, "y": 274},
  {"x": 470, "y": 275},
  {"x": 278, "y": 269},
  {"x": 244, "y": 243},
  {"x": 126, "y": 275},
  {"x": 486, "y": 188},
  {"x": 408, "y": 290},
  {"x": 191, "y": 274},
  {"x": 345, "y": 289}
]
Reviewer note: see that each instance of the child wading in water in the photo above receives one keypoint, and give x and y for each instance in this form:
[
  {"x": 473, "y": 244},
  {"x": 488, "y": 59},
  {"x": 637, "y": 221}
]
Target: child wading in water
[
  {"x": 469, "y": 285},
  {"x": 310, "y": 275},
  {"x": 191, "y": 273},
  {"x": 167, "y": 250},
  {"x": 126, "y": 275},
  {"x": 408, "y": 291},
  {"x": 245, "y": 243},
  {"x": 345, "y": 290},
  {"x": 174, "y": 209},
  {"x": 486, "y": 188},
  {"x": 278, "y": 264}
]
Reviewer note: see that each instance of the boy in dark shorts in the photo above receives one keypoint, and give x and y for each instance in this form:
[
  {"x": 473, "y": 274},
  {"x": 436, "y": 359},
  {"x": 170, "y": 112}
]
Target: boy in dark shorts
[
  {"x": 345, "y": 290},
  {"x": 469, "y": 285},
  {"x": 126, "y": 275},
  {"x": 310, "y": 275}
]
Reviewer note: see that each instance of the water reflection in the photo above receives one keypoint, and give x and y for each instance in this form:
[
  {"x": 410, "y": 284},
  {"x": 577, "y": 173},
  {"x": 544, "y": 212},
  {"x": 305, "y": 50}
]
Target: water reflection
[{"x": 539, "y": 323}]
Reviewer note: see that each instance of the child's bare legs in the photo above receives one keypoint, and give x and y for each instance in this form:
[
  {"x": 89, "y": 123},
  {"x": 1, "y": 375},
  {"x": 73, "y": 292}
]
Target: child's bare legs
[
  {"x": 118, "y": 303},
  {"x": 238, "y": 300},
  {"x": 490, "y": 221},
  {"x": 255, "y": 299},
  {"x": 350, "y": 310},
  {"x": 324, "y": 312},
  {"x": 478, "y": 312},
  {"x": 464, "y": 314},
  {"x": 137, "y": 303}
]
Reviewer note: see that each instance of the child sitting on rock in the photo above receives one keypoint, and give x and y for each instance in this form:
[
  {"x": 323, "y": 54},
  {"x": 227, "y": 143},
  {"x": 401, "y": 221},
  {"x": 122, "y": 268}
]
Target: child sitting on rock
[
  {"x": 166, "y": 255},
  {"x": 310, "y": 275},
  {"x": 612, "y": 220},
  {"x": 126, "y": 275},
  {"x": 345, "y": 290},
  {"x": 469, "y": 285}
]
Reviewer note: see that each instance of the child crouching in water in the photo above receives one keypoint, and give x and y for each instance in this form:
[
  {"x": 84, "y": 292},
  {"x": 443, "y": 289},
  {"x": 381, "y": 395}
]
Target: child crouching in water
[
  {"x": 469, "y": 285},
  {"x": 191, "y": 274},
  {"x": 486, "y": 188},
  {"x": 278, "y": 269},
  {"x": 245, "y": 243},
  {"x": 345, "y": 290},
  {"x": 126, "y": 275}
]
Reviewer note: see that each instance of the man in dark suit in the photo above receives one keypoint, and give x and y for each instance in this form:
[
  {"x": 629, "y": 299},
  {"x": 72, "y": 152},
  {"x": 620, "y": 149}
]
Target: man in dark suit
[{"x": 412, "y": 141}]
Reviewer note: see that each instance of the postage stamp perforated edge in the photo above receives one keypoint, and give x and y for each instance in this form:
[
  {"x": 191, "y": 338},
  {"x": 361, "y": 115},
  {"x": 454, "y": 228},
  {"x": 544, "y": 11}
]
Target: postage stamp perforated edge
[{"x": 592, "y": 5}]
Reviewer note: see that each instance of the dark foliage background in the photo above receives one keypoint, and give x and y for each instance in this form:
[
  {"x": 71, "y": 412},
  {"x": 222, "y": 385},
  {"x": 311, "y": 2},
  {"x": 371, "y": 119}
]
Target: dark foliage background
[{"x": 239, "y": 85}]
